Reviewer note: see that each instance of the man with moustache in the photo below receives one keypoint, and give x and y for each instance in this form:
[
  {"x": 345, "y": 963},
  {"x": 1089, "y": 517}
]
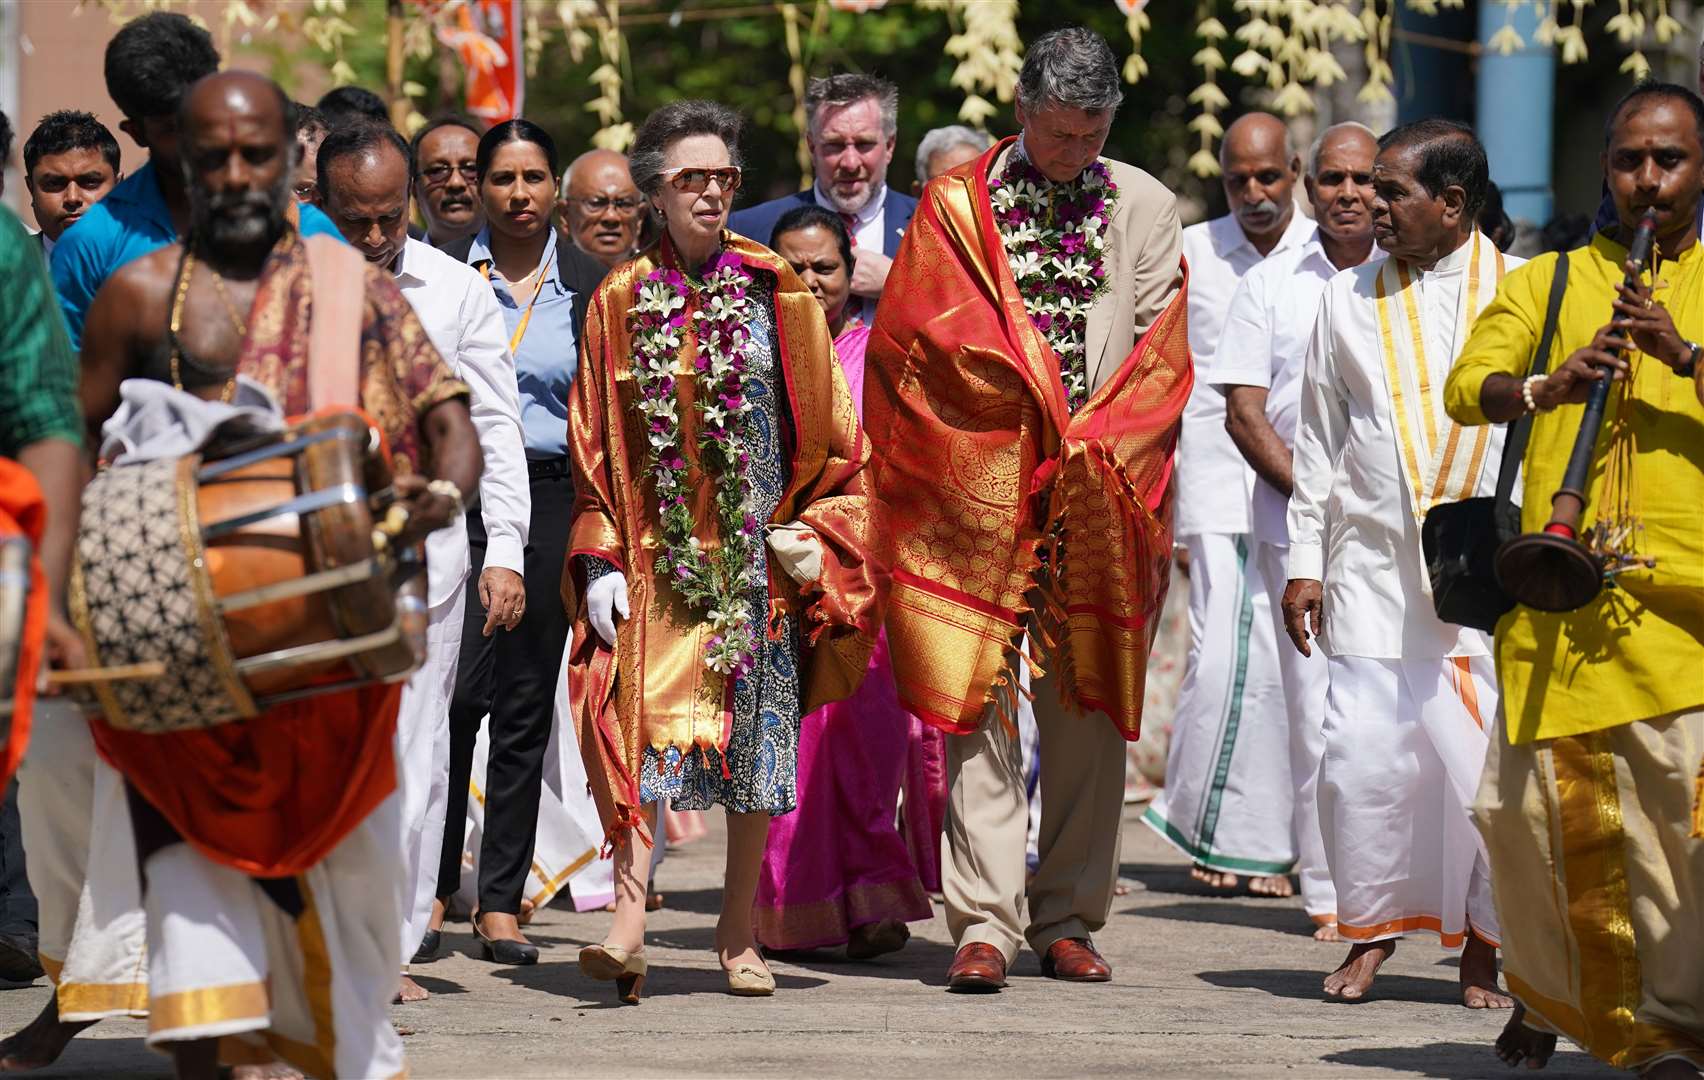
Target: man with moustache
[
  {"x": 1258, "y": 364},
  {"x": 1231, "y": 680},
  {"x": 1590, "y": 801},
  {"x": 311, "y": 130},
  {"x": 600, "y": 209},
  {"x": 1409, "y": 697},
  {"x": 444, "y": 176},
  {"x": 150, "y": 62},
  {"x": 279, "y": 927},
  {"x": 1076, "y": 419},
  {"x": 363, "y": 187},
  {"x": 851, "y": 126},
  {"x": 70, "y": 163}
]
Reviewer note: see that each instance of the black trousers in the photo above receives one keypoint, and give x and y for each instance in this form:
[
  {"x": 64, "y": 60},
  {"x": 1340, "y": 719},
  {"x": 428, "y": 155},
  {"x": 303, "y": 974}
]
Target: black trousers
[
  {"x": 17, "y": 902},
  {"x": 524, "y": 663}
]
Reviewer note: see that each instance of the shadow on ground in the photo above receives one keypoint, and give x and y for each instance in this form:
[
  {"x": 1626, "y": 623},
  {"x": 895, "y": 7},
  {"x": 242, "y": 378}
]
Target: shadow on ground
[
  {"x": 564, "y": 980},
  {"x": 1305, "y": 986},
  {"x": 102, "y": 1059},
  {"x": 1283, "y": 919},
  {"x": 1461, "y": 1061}
]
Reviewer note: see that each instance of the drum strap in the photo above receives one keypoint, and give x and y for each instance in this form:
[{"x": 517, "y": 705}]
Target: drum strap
[{"x": 337, "y": 278}]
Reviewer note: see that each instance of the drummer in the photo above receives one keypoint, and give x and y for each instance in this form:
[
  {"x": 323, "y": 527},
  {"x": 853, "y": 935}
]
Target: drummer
[{"x": 303, "y": 796}]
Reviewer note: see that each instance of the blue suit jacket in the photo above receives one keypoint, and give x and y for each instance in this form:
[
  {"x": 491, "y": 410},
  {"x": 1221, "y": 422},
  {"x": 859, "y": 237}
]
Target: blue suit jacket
[{"x": 758, "y": 222}]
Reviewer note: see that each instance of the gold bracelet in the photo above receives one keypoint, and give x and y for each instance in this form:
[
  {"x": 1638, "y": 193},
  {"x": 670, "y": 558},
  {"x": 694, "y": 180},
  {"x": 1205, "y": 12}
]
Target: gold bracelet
[{"x": 449, "y": 490}]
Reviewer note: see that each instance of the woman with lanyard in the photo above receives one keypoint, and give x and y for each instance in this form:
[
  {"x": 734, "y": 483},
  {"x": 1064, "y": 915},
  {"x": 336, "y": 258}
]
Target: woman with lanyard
[{"x": 542, "y": 292}]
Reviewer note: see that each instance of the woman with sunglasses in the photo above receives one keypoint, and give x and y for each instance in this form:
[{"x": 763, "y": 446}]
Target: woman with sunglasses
[
  {"x": 837, "y": 872},
  {"x": 721, "y": 584},
  {"x": 515, "y": 630}
]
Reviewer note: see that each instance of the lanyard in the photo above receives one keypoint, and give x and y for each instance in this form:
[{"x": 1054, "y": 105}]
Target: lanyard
[{"x": 526, "y": 317}]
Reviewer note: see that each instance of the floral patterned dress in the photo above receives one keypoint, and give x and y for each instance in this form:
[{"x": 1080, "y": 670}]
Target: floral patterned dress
[{"x": 759, "y": 774}]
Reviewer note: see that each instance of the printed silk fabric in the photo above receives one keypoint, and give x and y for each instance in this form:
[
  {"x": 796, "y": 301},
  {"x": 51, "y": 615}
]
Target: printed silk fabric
[
  {"x": 979, "y": 462},
  {"x": 654, "y": 690}
]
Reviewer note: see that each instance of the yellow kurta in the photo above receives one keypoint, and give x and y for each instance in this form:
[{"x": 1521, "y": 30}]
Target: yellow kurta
[
  {"x": 655, "y": 690},
  {"x": 1634, "y": 652}
]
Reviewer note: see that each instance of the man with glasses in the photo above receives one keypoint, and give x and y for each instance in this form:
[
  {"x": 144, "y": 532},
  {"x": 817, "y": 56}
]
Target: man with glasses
[
  {"x": 600, "y": 208},
  {"x": 150, "y": 63},
  {"x": 445, "y": 180},
  {"x": 851, "y": 123}
]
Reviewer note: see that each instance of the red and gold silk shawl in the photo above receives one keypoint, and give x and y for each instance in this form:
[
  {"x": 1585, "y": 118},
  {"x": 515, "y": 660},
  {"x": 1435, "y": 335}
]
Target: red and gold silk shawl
[
  {"x": 654, "y": 690},
  {"x": 979, "y": 469}
]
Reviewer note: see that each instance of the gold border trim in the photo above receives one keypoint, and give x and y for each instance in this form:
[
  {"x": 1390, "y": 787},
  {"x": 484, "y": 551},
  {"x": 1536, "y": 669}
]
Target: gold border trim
[{"x": 168, "y": 1013}]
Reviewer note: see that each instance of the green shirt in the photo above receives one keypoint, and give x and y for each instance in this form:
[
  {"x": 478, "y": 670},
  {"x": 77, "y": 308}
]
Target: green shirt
[{"x": 38, "y": 371}]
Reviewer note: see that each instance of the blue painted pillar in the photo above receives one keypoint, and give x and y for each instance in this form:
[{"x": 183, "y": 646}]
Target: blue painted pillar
[{"x": 1513, "y": 111}]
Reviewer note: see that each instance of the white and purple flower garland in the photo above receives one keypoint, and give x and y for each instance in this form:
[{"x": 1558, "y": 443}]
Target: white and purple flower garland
[
  {"x": 1055, "y": 240},
  {"x": 712, "y": 581}
]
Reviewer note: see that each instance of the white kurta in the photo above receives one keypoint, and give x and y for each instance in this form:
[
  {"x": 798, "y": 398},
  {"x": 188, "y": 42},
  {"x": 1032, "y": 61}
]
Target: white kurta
[
  {"x": 1409, "y": 696},
  {"x": 1264, "y": 344},
  {"x": 1227, "y": 797},
  {"x": 462, "y": 319}
]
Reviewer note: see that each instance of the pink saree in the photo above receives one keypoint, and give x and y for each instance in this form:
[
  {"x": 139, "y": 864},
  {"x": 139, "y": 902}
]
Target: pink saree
[{"x": 838, "y": 862}]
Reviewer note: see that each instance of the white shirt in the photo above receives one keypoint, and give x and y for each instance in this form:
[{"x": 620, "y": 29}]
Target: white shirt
[
  {"x": 1265, "y": 343},
  {"x": 1213, "y": 481},
  {"x": 1351, "y": 522},
  {"x": 460, "y": 315},
  {"x": 869, "y": 233}
]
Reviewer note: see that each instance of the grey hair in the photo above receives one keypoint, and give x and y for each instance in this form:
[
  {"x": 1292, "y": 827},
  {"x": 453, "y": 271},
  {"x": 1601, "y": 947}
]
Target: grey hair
[
  {"x": 849, "y": 87},
  {"x": 945, "y": 138},
  {"x": 1072, "y": 67},
  {"x": 1318, "y": 144},
  {"x": 672, "y": 123}
]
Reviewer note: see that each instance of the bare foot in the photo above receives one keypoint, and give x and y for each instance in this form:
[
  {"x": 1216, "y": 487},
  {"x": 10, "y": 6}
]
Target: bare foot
[
  {"x": 1671, "y": 1069},
  {"x": 1214, "y": 879},
  {"x": 1272, "y": 885},
  {"x": 409, "y": 991},
  {"x": 526, "y": 912},
  {"x": 1519, "y": 1044},
  {"x": 1354, "y": 977},
  {"x": 41, "y": 1042},
  {"x": 653, "y": 902},
  {"x": 1327, "y": 931},
  {"x": 1479, "y": 976}
]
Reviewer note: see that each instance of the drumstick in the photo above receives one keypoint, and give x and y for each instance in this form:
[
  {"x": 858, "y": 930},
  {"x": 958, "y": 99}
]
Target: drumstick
[{"x": 152, "y": 669}]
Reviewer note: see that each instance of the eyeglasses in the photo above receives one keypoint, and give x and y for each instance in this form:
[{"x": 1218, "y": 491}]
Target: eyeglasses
[
  {"x": 439, "y": 173},
  {"x": 599, "y": 204},
  {"x": 696, "y": 180}
]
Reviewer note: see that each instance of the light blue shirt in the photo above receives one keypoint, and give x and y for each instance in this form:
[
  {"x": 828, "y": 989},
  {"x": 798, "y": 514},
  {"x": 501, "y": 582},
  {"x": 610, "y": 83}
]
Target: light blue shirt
[
  {"x": 547, "y": 356},
  {"x": 132, "y": 221}
]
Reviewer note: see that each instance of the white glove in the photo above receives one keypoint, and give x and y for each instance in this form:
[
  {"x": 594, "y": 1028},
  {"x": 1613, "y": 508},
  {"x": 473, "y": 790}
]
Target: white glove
[
  {"x": 606, "y": 598},
  {"x": 799, "y": 550}
]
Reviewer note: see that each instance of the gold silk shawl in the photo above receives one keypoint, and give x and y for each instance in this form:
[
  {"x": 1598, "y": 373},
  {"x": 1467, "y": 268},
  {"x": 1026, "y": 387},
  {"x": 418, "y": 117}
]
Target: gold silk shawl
[
  {"x": 654, "y": 689},
  {"x": 979, "y": 470}
]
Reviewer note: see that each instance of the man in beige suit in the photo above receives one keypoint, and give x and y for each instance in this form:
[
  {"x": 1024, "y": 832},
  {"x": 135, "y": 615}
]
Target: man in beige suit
[{"x": 1067, "y": 416}]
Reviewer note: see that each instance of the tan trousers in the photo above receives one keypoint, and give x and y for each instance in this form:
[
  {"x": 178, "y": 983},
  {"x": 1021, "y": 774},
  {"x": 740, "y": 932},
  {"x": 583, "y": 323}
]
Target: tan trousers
[
  {"x": 1594, "y": 860},
  {"x": 1082, "y": 805}
]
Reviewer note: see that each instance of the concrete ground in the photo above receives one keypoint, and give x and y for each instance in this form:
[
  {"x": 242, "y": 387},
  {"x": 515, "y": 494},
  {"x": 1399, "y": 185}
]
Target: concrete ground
[{"x": 1202, "y": 987}]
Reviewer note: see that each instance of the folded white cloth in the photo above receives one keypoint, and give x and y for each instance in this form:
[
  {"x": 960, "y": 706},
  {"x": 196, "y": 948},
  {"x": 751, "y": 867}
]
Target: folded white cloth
[
  {"x": 155, "y": 420},
  {"x": 798, "y": 549}
]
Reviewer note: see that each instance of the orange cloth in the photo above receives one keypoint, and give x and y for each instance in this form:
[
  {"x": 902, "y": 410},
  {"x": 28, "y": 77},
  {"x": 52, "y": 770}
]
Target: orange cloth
[
  {"x": 24, "y": 512},
  {"x": 979, "y": 467},
  {"x": 654, "y": 689}
]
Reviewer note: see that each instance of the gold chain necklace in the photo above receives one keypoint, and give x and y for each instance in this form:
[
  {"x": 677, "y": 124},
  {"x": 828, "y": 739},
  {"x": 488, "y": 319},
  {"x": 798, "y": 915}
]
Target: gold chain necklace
[{"x": 184, "y": 275}]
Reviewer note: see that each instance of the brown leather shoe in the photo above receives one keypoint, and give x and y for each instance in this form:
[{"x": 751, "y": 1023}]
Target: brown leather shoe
[
  {"x": 978, "y": 968},
  {"x": 1075, "y": 960}
]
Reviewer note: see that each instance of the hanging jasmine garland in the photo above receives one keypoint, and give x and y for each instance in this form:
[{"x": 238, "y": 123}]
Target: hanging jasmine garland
[
  {"x": 1055, "y": 241},
  {"x": 710, "y": 581}
]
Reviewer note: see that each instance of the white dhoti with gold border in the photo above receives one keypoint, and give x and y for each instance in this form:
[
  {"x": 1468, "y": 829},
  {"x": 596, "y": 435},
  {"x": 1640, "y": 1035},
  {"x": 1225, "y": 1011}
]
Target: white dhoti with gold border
[
  {"x": 1405, "y": 743},
  {"x": 303, "y": 968},
  {"x": 93, "y": 936}
]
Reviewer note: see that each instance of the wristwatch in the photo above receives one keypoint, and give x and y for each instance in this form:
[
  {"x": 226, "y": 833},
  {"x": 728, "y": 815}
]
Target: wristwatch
[{"x": 1687, "y": 369}]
